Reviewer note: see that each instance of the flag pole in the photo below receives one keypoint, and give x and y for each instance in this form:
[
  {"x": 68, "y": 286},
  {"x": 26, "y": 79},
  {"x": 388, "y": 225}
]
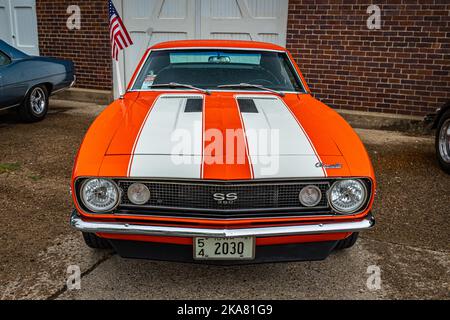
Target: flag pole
[{"x": 119, "y": 79}]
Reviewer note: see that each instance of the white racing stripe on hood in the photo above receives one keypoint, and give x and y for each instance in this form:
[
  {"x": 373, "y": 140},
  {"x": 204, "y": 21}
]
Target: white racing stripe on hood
[
  {"x": 285, "y": 151},
  {"x": 153, "y": 155}
]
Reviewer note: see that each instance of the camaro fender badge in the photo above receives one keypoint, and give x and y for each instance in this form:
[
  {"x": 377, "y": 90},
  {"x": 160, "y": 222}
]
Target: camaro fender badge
[
  {"x": 225, "y": 198},
  {"x": 329, "y": 166}
]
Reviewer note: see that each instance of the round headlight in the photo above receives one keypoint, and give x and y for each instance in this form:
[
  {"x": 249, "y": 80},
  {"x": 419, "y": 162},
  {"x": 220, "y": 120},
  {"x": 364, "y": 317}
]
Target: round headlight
[
  {"x": 138, "y": 193},
  {"x": 99, "y": 195},
  {"x": 310, "y": 196},
  {"x": 348, "y": 196}
]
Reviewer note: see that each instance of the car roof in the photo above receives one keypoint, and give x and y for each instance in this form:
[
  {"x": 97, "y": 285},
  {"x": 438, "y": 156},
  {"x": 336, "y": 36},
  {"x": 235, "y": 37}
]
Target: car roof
[
  {"x": 234, "y": 44},
  {"x": 12, "y": 52}
]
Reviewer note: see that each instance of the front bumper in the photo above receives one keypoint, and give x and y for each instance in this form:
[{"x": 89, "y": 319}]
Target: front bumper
[
  {"x": 312, "y": 251},
  {"x": 145, "y": 230},
  {"x": 315, "y": 251}
]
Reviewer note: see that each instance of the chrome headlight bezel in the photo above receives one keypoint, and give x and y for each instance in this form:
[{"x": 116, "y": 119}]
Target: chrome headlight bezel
[
  {"x": 92, "y": 209},
  {"x": 355, "y": 209}
]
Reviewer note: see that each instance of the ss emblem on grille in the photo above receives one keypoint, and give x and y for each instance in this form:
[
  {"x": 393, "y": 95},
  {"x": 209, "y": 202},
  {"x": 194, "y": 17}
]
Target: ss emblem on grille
[{"x": 225, "y": 198}]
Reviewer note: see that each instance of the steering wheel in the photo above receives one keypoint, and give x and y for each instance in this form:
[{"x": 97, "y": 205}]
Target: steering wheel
[{"x": 260, "y": 82}]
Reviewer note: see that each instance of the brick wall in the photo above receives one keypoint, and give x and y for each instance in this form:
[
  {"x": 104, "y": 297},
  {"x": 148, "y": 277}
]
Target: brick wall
[
  {"x": 89, "y": 47},
  {"x": 402, "y": 68}
]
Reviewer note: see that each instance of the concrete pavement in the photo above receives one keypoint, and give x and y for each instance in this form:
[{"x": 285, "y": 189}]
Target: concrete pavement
[{"x": 410, "y": 244}]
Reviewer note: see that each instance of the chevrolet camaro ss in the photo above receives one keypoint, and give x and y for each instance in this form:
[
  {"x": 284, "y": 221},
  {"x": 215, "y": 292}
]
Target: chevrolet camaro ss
[{"x": 218, "y": 153}]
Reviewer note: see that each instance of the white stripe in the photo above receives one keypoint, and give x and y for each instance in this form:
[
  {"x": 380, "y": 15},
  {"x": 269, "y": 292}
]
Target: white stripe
[
  {"x": 153, "y": 155},
  {"x": 278, "y": 145}
]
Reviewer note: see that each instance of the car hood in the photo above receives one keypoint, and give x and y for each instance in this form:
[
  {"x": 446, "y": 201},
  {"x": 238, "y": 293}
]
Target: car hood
[
  {"x": 179, "y": 135},
  {"x": 174, "y": 135}
]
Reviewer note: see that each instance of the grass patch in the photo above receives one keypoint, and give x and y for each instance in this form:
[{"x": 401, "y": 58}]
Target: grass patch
[
  {"x": 35, "y": 178},
  {"x": 9, "y": 167}
]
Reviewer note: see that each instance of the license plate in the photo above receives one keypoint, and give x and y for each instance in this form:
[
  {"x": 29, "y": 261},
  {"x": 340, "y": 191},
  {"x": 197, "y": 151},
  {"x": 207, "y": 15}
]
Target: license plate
[{"x": 224, "y": 248}]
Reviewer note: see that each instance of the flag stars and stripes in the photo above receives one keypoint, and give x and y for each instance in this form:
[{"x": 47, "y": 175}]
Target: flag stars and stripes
[{"x": 119, "y": 36}]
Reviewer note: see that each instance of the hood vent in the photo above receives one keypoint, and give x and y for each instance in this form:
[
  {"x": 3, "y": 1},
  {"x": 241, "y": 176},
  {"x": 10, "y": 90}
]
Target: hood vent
[
  {"x": 194, "y": 105},
  {"x": 247, "y": 106}
]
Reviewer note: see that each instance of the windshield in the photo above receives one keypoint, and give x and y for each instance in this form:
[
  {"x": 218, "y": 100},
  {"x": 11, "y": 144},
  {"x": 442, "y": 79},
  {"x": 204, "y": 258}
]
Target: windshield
[{"x": 210, "y": 69}]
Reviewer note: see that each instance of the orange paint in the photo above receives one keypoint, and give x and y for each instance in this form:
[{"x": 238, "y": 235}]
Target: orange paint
[{"x": 222, "y": 113}]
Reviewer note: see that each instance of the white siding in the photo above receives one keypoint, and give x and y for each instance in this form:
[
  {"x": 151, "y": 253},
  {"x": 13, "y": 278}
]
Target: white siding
[
  {"x": 18, "y": 25},
  {"x": 153, "y": 21}
]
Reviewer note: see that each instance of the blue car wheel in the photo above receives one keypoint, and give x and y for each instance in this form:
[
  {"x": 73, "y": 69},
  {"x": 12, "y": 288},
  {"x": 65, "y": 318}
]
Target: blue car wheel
[{"x": 35, "y": 105}]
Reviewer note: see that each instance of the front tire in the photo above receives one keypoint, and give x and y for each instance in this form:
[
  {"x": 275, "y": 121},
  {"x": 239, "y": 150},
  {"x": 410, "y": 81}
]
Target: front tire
[
  {"x": 348, "y": 242},
  {"x": 94, "y": 242},
  {"x": 443, "y": 142},
  {"x": 34, "y": 108}
]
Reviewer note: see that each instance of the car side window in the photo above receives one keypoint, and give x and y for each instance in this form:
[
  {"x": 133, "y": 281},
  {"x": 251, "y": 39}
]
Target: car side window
[{"x": 4, "y": 59}]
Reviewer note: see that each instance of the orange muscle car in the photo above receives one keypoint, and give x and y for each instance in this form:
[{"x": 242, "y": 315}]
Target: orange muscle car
[{"x": 218, "y": 153}]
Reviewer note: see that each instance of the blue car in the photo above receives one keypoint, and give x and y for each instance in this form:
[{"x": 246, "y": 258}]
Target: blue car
[{"x": 27, "y": 82}]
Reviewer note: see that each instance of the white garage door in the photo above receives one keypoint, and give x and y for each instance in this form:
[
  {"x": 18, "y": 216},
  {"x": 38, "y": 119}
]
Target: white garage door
[
  {"x": 18, "y": 25},
  {"x": 153, "y": 21}
]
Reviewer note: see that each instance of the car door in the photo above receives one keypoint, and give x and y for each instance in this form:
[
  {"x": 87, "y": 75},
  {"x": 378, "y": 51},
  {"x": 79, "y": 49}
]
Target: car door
[
  {"x": 4, "y": 62},
  {"x": 15, "y": 80}
]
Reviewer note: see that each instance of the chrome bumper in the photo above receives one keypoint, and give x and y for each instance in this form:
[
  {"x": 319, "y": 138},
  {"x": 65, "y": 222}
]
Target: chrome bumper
[
  {"x": 134, "y": 229},
  {"x": 74, "y": 81}
]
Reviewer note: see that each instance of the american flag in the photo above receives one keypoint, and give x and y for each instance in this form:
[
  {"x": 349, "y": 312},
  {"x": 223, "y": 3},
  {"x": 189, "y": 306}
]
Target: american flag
[{"x": 120, "y": 38}]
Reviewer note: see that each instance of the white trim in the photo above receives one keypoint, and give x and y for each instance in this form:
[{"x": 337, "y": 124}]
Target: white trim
[
  {"x": 300, "y": 162},
  {"x": 153, "y": 154},
  {"x": 309, "y": 139},
  {"x": 138, "y": 136}
]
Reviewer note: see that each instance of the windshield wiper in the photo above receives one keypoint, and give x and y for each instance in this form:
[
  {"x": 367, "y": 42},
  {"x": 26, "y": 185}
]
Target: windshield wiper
[
  {"x": 179, "y": 85},
  {"x": 248, "y": 85}
]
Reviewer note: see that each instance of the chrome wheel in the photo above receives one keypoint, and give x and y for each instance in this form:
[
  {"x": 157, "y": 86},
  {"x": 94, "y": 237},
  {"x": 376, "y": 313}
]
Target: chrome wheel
[
  {"x": 38, "y": 101},
  {"x": 444, "y": 141}
]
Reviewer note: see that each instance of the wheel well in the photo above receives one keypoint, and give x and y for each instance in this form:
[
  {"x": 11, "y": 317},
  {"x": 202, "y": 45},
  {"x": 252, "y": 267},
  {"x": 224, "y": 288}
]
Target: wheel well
[
  {"x": 49, "y": 87},
  {"x": 443, "y": 110}
]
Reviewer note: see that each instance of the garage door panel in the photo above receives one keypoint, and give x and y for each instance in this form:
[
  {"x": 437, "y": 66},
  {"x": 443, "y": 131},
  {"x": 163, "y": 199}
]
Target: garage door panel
[
  {"x": 225, "y": 9},
  {"x": 263, "y": 20},
  {"x": 153, "y": 21},
  {"x": 269, "y": 9},
  {"x": 138, "y": 9},
  {"x": 25, "y": 24},
  {"x": 270, "y": 37},
  {"x": 5, "y": 24},
  {"x": 174, "y": 9},
  {"x": 231, "y": 36}
]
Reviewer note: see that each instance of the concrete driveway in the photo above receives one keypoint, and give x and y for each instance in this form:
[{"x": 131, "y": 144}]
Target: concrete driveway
[{"x": 409, "y": 246}]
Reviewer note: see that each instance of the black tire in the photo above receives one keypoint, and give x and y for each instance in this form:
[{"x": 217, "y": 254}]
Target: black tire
[
  {"x": 348, "y": 242},
  {"x": 30, "y": 111},
  {"x": 94, "y": 242},
  {"x": 444, "y": 163}
]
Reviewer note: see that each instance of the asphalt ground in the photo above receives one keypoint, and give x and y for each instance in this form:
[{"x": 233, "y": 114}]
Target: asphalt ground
[{"x": 409, "y": 245}]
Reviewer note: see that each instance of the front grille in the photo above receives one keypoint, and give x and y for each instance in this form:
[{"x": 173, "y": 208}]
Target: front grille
[{"x": 198, "y": 198}]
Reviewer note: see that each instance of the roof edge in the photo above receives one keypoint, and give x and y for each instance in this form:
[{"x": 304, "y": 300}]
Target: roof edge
[{"x": 217, "y": 44}]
